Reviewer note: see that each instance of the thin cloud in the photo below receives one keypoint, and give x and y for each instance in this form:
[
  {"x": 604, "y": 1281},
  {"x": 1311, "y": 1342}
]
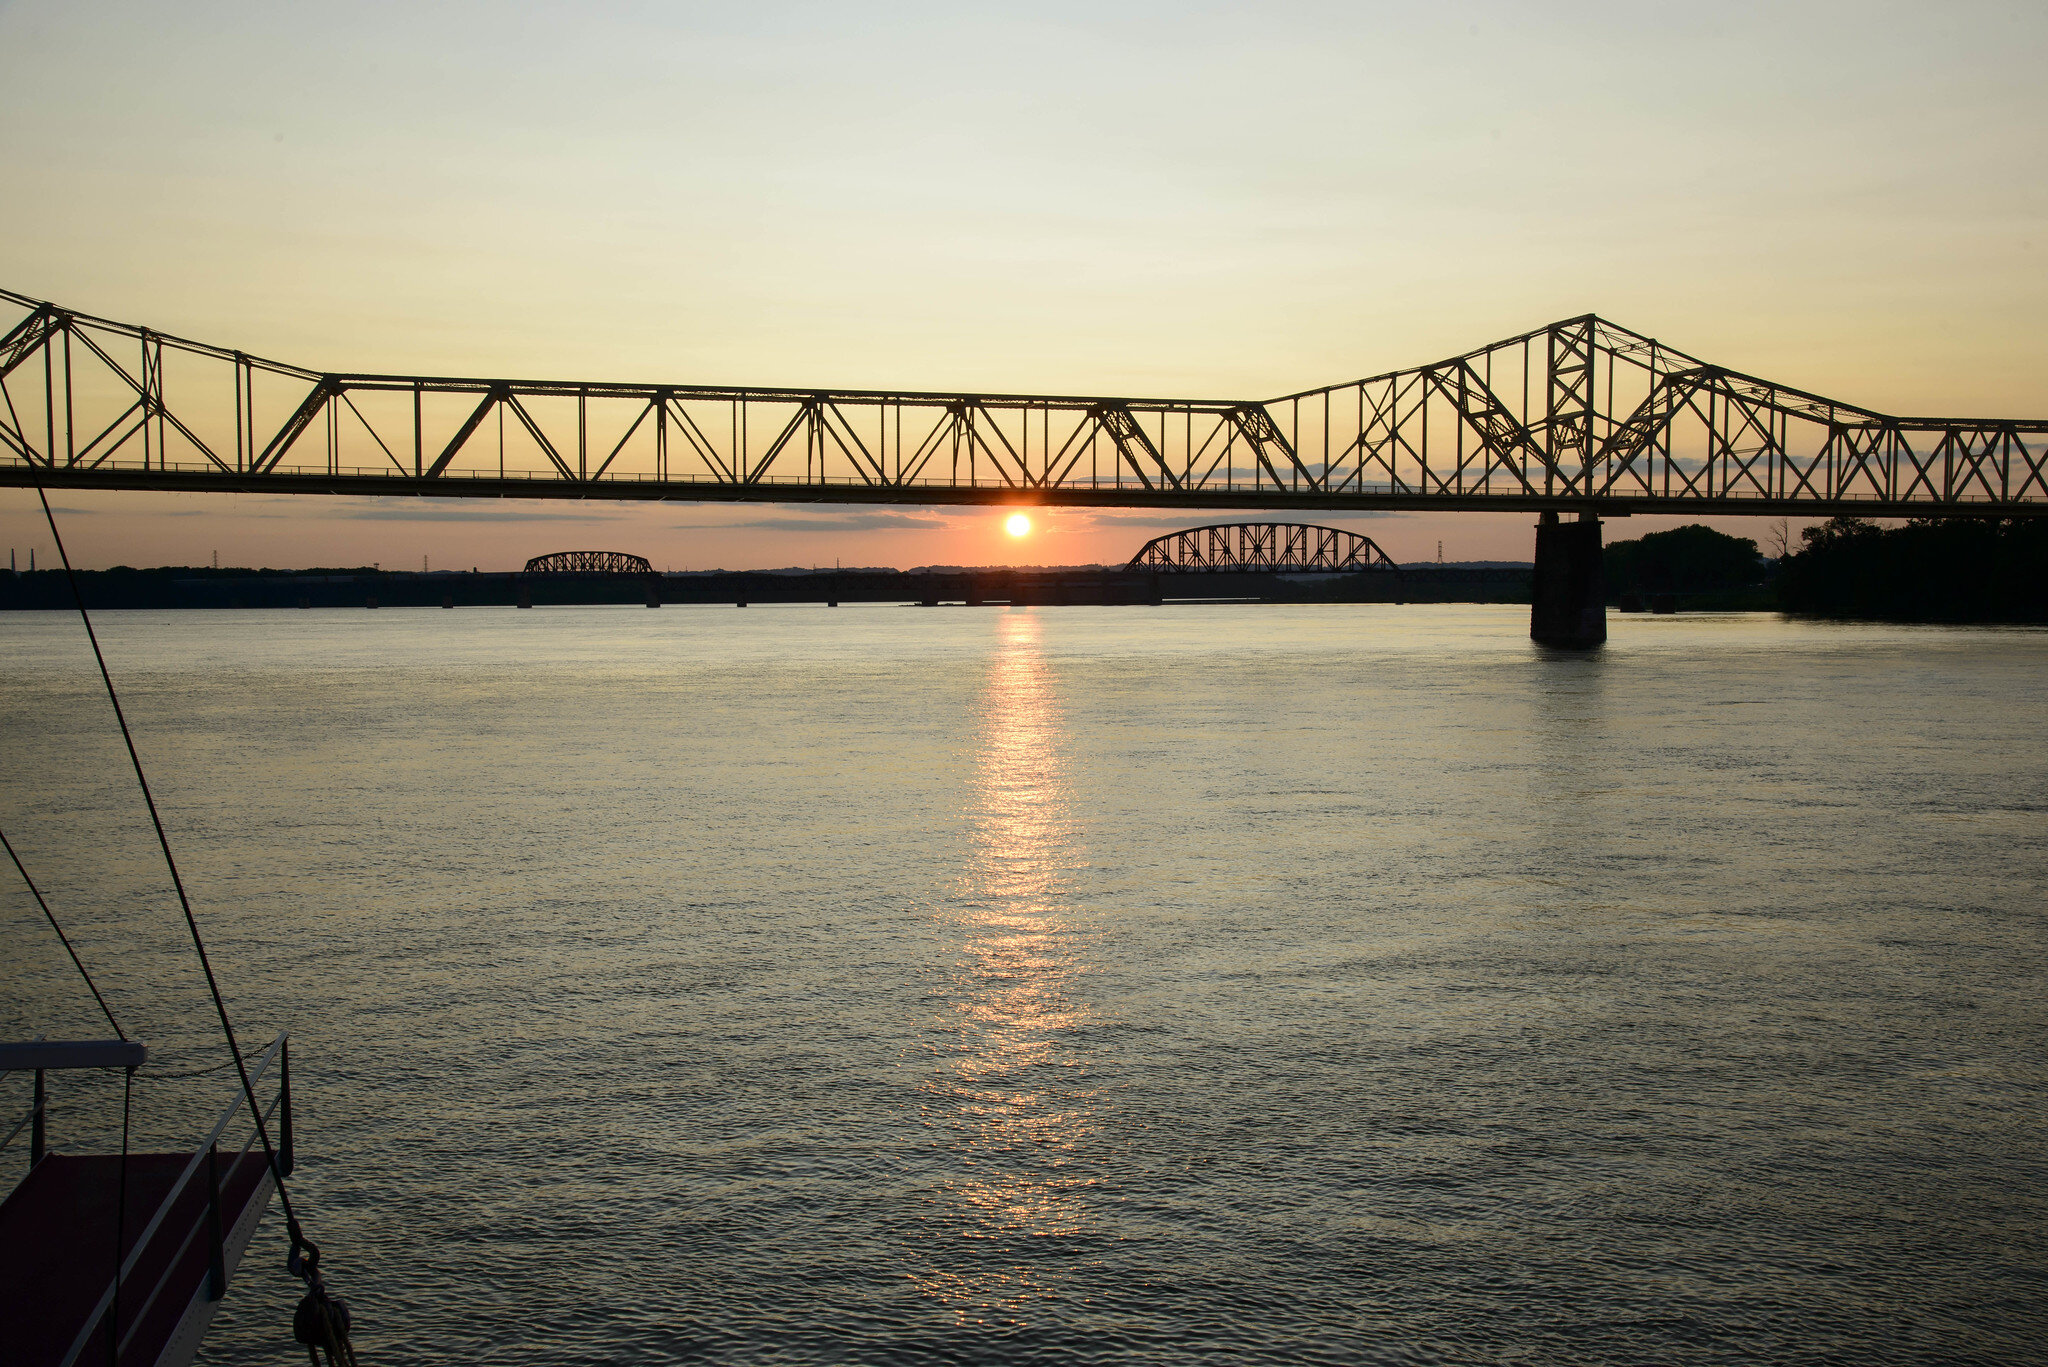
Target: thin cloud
[
  {"x": 850, "y": 522},
  {"x": 1214, "y": 516},
  {"x": 63, "y": 511},
  {"x": 466, "y": 515}
]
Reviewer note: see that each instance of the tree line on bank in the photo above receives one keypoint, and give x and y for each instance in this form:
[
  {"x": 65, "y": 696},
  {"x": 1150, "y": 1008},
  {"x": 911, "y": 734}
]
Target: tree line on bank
[{"x": 1929, "y": 570}]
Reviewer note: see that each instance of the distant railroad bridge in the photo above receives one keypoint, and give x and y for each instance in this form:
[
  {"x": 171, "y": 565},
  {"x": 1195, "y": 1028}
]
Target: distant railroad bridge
[
  {"x": 588, "y": 562},
  {"x": 1262, "y": 548}
]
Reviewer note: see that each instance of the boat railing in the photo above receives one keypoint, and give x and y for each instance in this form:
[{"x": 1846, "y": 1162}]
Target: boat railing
[
  {"x": 40, "y": 1056},
  {"x": 212, "y": 1219},
  {"x": 38, "y": 1108}
]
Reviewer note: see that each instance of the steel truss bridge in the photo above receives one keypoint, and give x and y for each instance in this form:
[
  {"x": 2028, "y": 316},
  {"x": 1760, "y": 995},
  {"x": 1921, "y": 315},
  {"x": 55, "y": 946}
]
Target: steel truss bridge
[
  {"x": 1261, "y": 548},
  {"x": 588, "y": 562},
  {"x": 1580, "y": 415}
]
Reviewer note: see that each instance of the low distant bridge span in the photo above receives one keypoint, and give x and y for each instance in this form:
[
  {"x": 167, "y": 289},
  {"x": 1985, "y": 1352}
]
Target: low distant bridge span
[
  {"x": 1261, "y": 548},
  {"x": 588, "y": 562},
  {"x": 1581, "y": 415}
]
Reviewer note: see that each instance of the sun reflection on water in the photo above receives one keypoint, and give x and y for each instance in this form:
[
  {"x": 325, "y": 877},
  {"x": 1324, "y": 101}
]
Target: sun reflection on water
[{"x": 1010, "y": 1099}]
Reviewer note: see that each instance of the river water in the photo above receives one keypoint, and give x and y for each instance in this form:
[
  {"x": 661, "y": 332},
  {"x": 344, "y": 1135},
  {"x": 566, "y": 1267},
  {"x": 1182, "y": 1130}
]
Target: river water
[{"x": 1198, "y": 983}]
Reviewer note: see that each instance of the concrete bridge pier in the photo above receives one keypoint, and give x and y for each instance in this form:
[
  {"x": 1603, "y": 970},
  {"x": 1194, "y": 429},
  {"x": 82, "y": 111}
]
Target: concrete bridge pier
[{"x": 1568, "y": 601}]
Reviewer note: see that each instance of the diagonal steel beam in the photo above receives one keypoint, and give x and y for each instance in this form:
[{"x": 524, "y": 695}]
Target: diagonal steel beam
[{"x": 492, "y": 398}]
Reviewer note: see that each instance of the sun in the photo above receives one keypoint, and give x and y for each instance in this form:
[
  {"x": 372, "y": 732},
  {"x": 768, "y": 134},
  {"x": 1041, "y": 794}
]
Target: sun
[{"x": 1017, "y": 524}]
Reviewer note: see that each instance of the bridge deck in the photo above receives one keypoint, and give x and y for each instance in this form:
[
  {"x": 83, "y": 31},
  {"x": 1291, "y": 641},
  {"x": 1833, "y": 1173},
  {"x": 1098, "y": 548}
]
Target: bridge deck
[
  {"x": 1580, "y": 414},
  {"x": 626, "y": 488}
]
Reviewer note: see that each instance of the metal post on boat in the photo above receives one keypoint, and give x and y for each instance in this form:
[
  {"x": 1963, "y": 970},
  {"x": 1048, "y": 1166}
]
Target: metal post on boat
[
  {"x": 35, "y": 1125},
  {"x": 216, "y": 1259},
  {"x": 284, "y": 1108}
]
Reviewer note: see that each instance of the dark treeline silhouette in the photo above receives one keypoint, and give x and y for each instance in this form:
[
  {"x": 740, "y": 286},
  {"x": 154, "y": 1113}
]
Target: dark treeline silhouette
[
  {"x": 1930, "y": 570},
  {"x": 1687, "y": 559},
  {"x": 1692, "y": 567}
]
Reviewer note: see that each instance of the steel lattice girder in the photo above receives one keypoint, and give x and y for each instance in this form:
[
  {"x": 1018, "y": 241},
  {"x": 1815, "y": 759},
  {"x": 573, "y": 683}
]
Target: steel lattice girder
[
  {"x": 1261, "y": 547},
  {"x": 588, "y": 562},
  {"x": 1579, "y": 414}
]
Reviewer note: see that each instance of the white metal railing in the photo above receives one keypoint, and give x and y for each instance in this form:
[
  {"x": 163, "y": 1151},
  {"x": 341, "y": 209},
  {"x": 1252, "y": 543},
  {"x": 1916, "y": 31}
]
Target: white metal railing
[{"x": 210, "y": 1218}]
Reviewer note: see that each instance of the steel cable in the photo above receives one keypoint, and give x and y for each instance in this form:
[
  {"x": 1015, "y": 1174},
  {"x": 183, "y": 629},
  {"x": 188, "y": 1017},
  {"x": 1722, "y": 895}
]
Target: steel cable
[
  {"x": 51, "y": 916},
  {"x": 305, "y": 1254}
]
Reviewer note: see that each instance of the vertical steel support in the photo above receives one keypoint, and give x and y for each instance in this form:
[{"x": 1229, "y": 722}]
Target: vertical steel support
[
  {"x": 163, "y": 450},
  {"x": 661, "y": 436},
  {"x": 216, "y": 1259},
  {"x": 49, "y": 404},
  {"x": 70, "y": 408},
  {"x": 245, "y": 432},
  {"x": 419, "y": 439},
  {"x": 1422, "y": 448},
  {"x": 37, "y": 1136},
  {"x": 143, "y": 366},
  {"x": 1569, "y": 408},
  {"x": 284, "y": 1109}
]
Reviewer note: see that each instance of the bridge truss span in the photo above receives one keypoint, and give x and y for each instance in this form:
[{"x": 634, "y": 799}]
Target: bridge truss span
[
  {"x": 1262, "y": 548},
  {"x": 588, "y": 562},
  {"x": 1596, "y": 416},
  {"x": 1581, "y": 414}
]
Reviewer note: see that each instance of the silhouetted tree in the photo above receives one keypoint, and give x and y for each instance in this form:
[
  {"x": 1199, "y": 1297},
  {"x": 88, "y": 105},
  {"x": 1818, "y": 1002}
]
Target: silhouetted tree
[{"x": 1690, "y": 559}]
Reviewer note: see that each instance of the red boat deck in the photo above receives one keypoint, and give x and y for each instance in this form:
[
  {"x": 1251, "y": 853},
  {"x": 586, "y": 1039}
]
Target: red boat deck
[{"x": 57, "y": 1250}]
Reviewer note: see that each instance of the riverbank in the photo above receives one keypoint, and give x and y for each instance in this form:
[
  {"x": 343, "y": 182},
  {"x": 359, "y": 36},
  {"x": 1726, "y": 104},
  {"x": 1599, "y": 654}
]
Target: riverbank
[
  {"x": 1932, "y": 570},
  {"x": 180, "y": 587}
]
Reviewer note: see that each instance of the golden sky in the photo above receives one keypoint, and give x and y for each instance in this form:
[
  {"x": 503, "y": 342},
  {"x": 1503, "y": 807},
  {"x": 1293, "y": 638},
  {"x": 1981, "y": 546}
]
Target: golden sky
[{"x": 1226, "y": 200}]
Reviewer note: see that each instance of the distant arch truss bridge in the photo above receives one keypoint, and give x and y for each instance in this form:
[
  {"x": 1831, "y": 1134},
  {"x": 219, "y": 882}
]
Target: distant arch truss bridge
[
  {"x": 1261, "y": 547},
  {"x": 588, "y": 562},
  {"x": 1581, "y": 414}
]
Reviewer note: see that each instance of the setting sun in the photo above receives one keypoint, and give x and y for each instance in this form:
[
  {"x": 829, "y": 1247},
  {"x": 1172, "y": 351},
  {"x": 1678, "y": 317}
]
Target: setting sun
[{"x": 1017, "y": 524}]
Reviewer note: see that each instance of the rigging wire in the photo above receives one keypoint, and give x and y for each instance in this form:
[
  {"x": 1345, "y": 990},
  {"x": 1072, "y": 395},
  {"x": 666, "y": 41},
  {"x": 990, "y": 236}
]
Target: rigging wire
[
  {"x": 152, "y": 1075},
  {"x": 120, "y": 1221},
  {"x": 127, "y": 1100},
  {"x": 163, "y": 841},
  {"x": 304, "y": 1259},
  {"x": 51, "y": 916}
]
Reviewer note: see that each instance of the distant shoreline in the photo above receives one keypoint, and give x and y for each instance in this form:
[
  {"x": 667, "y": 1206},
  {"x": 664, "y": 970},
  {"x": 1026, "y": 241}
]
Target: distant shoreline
[{"x": 183, "y": 588}]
